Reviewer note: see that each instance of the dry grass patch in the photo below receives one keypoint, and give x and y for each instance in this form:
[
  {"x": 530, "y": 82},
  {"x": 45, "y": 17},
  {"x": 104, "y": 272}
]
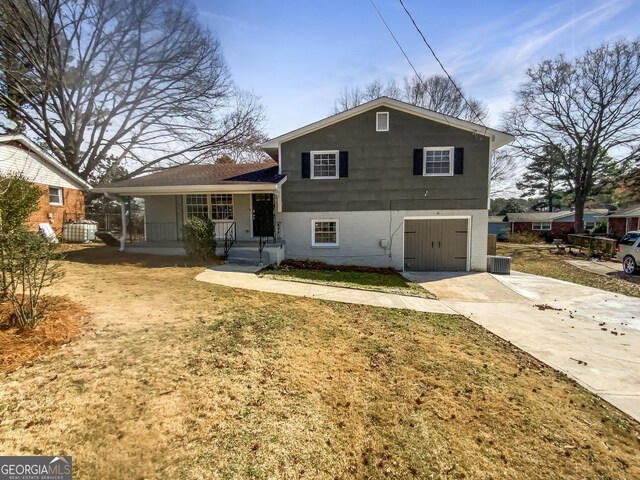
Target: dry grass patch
[
  {"x": 544, "y": 260},
  {"x": 180, "y": 379},
  {"x": 64, "y": 321}
]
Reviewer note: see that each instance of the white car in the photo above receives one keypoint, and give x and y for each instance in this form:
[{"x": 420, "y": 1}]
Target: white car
[{"x": 629, "y": 251}]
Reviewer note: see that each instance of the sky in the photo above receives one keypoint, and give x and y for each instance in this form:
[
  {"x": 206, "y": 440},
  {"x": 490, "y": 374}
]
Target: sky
[{"x": 298, "y": 56}]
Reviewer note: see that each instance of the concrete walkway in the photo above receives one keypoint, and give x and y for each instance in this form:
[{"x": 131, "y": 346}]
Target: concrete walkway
[
  {"x": 605, "y": 267},
  {"x": 240, "y": 276},
  {"x": 556, "y": 322},
  {"x": 516, "y": 308}
]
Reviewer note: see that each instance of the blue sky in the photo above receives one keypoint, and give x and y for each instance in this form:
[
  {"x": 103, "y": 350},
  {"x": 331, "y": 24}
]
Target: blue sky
[{"x": 297, "y": 56}]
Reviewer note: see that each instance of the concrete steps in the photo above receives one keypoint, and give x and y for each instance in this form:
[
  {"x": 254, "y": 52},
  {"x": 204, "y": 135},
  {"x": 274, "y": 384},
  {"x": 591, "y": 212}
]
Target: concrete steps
[{"x": 247, "y": 256}]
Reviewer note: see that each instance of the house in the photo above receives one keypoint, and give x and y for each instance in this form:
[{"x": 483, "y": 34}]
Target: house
[
  {"x": 558, "y": 224},
  {"x": 62, "y": 197},
  {"x": 384, "y": 184},
  {"x": 623, "y": 221},
  {"x": 499, "y": 226}
]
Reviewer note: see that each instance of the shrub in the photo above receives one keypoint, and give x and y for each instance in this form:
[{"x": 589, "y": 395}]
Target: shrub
[
  {"x": 524, "y": 238},
  {"x": 29, "y": 264},
  {"x": 200, "y": 238},
  {"x": 600, "y": 228},
  {"x": 18, "y": 199}
]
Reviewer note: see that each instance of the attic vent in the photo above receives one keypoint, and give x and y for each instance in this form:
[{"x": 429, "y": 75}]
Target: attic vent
[{"x": 382, "y": 121}]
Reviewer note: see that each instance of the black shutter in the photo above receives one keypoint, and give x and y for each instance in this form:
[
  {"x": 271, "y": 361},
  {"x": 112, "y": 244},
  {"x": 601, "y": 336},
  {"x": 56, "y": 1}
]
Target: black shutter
[
  {"x": 418, "y": 154},
  {"x": 306, "y": 164},
  {"x": 458, "y": 160},
  {"x": 344, "y": 164}
]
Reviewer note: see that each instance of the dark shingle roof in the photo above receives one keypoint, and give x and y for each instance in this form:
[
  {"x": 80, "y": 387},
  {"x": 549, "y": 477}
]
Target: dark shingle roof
[{"x": 210, "y": 174}]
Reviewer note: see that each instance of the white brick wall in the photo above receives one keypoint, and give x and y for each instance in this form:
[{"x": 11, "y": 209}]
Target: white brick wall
[{"x": 360, "y": 234}]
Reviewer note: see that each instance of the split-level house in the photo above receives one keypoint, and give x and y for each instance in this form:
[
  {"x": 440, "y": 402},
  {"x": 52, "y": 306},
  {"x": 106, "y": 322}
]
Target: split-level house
[
  {"x": 62, "y": 198},
  {"x": 384, "y": 184}
]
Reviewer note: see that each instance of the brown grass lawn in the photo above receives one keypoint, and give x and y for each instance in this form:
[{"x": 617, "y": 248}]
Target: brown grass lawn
[
  {"x": 179, "y": 379},
  {"x": 540, "y": 259}
]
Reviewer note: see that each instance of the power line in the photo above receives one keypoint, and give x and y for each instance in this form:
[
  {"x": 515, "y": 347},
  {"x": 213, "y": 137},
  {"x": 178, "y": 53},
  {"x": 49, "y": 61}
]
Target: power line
[
  {"x": 441, "y": 65},
  {"x": 403, "y": 52},
  {"x": 397, "y": 42}
]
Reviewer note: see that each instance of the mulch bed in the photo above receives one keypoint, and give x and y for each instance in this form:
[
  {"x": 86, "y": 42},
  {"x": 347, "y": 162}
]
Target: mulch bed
[
  {"x": 64, "y": 321},
  {"x": 314, "y": 265}
]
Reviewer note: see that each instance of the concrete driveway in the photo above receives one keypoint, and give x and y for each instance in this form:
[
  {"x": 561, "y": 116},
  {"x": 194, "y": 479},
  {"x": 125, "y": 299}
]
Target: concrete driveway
[{"x": 557, "y": 322}]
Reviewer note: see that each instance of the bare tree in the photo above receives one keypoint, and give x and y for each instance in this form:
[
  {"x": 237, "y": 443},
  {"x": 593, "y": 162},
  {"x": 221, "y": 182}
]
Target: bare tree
[
  {"x": 439, "y": 94},
  {"x": 435, "y": 92},
  {"x": 106, "y": 83},
  {"x": 352, "y": 97},
  {"x": 584, "y": 110},
  {"x": 503, "y": 163}
]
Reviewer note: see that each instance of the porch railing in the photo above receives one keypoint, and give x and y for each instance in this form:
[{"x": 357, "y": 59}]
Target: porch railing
[{"x": 229, "y": 238}]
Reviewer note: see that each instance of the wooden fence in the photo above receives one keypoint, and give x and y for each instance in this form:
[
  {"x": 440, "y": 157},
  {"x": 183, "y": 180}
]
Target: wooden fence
[{"x": 594, "y": 245}]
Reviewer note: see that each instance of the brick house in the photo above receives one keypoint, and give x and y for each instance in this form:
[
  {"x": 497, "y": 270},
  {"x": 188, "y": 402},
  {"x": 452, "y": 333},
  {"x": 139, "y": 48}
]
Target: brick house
[
  {"x": 623, "y": 221},
  {"x": 558, "y": 224},
  {"x": 62, "y": 197}
]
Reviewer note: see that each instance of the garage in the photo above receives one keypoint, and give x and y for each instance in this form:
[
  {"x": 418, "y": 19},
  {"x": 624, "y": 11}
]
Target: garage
[{"x": 434, "y": 245}]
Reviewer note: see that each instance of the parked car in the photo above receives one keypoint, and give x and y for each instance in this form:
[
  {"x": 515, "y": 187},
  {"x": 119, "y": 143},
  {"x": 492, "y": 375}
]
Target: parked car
[{"x": 629, "y": 251}]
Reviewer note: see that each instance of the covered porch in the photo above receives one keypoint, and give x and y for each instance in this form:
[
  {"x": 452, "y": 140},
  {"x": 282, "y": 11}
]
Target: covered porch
[{"x": 244, "y": 208}]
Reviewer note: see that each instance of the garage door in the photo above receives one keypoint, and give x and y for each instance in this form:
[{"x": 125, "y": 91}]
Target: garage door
[{"x": 435, "y": 245}]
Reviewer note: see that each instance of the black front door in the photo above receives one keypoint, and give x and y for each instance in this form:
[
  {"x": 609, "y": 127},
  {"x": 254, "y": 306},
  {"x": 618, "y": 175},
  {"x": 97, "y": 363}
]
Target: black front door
[{"x": 263, "y": 216}]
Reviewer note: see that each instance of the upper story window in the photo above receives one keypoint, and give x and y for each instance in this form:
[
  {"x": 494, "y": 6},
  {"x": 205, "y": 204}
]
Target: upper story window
[
  {"x": 324, "y": 164},
  {"x": 382, "y": 121},
  {"x": 438, "y": 161},
  {"x": 215, "y": 207},
  {"x": 55, "y": 196}
]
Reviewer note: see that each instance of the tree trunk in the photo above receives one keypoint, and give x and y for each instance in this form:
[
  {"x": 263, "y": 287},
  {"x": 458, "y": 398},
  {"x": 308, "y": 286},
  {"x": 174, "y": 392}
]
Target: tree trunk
[{"x": 580, "y": 200}]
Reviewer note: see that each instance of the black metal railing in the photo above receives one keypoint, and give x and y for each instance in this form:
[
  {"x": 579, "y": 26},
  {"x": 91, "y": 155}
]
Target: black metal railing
[{"x": 229, "y": 238}]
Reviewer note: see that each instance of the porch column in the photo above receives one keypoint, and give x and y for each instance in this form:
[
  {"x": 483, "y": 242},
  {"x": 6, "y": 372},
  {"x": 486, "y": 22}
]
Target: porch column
[{"x": 123, "y": 214}]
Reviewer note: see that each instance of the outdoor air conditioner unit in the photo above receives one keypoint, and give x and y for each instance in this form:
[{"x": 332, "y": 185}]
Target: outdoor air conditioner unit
[{"x": 497, "y": 264}]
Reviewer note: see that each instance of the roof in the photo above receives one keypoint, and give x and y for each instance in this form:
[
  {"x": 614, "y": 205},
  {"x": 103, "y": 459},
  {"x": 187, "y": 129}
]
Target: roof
[
  {"x": 549, "y": 216},
  {"x": 497, "y": 138},
  {"x": 32, "y": 147},
  {"x": 633, "y": 211},
  {"x": 497, "y": 218},
  {"x": 192, "y": 178}
]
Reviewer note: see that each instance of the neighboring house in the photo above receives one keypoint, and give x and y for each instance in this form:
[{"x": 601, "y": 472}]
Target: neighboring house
[
  {"x": 62, "y": 197},
  {"x": 383, "y": 184},
  {"x": 499, "y": 226},
  {"x": 623, "y": 221},
  {"x": 559, "y": 224}
]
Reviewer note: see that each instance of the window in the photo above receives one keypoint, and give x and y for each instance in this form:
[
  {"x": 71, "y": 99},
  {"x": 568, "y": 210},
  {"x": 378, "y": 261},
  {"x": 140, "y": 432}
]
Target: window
[
  {"x": 629, "y": 239},
  {"x": 324, "y": 233},
  {"x": 589, "y": 225},
  {"x": 438, "y": 161},
  {"x": 197, "y": 205},
  {"x": 222, "y": 207},
  {"x": 324, "y": 164},
  {"x": 382, "y": 121},
  {"x": 55, "y": 196},
  {"x": 541, "y": 226},
  {"x": 215, "y": 207}
]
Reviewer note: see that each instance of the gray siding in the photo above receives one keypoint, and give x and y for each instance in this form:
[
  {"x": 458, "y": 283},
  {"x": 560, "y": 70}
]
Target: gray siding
[{"x": 381, "y": 167}]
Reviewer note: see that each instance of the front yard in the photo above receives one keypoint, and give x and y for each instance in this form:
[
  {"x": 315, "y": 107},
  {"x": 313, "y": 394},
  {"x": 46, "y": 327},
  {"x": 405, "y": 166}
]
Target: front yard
[
  {"x": 179, "y": 379},
  {"x": 540, "y": 259}
]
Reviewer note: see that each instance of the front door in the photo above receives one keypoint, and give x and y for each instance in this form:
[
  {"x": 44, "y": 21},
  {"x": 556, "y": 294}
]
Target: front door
[{"x": 263, "y": 215}]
